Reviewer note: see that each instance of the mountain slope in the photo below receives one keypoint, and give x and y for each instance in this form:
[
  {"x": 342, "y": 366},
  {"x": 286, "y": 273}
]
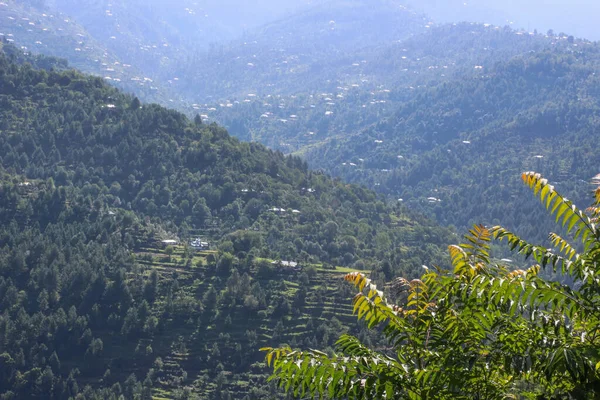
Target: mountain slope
[
  {"x": 181, "y": 22},
  {"x": 93, "y": 182},
  {"x": 161, "y": 51},
  {"x": 476, "y": 134},
  {"x": 302, "y": 51},
  {"x": 135, "y": 44},
  {"x": 367, "y": 87},
  {"x": 574, "y": 17},
  {"x": 38, "y": 29}
]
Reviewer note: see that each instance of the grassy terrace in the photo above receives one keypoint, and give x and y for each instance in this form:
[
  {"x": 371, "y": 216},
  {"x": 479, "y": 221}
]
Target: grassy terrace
[{"x": 189, "y": 335}]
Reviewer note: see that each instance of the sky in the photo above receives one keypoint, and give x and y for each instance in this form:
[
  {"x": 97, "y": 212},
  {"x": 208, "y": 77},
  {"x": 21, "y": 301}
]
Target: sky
[{"x": 579, "y": 18}]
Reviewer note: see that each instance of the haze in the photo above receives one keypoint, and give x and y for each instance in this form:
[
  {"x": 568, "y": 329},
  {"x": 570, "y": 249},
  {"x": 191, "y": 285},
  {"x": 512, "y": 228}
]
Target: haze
[{"x": 574, "y": 17}]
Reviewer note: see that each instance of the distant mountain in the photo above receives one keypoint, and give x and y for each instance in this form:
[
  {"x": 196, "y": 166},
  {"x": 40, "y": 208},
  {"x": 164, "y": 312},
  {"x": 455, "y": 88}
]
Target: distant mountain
[
  {"x": 365, "y": 88},
  {"x": 456, "y": 149},
  {"x": 187, "y": 51},
  {"x": 308, "y": 50},
  {"x": 34, "y": 27},
  {"x": 195, "y": 22},
  {"x": 575, "y": 17},
  {"x": 155, "y": 35},
  {"x": 135, "y": 45}
]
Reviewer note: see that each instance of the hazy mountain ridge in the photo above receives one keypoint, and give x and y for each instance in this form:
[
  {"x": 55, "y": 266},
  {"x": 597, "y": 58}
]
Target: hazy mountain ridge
[
  {"x": 167, "y": 47},
  {"x": 475, "y": 135},
  {"x": 302, "y": 51},
  {"x": 368, "y": 87},
  {"x": 575, "y": 17},
  {"x": 35, "y": 28},
  {"x": 134, "y": 45}
]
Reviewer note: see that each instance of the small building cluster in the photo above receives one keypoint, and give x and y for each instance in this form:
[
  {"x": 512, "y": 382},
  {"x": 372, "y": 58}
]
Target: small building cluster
[
  {"x": 199, "y": 244},
  {"x": 283, "y": 210},
  {"x": 289, "y": 265}
]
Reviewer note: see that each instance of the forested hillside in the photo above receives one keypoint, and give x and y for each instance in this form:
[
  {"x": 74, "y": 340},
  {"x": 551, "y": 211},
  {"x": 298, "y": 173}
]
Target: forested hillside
[
  {"x": 309, "y": 50},
  {"x": 94, "y": 302},
  {"x": 146, "y": 252},
  {"x": 473, "y": 135},
  {"x": 458, "y": 109},
  {"x": 184, "y": 52},
  {"x": 365, "y": 87},
  {"x": 375, "y": 93},
  {"x": 35, "y": 27}
]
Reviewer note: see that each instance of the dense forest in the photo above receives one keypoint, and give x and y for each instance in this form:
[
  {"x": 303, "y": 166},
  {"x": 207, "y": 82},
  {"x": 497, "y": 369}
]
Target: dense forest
[
  {"x": 360, "y": 89},
  {"x": 474, "y": 135},
  {"x": 95, "y": 305},
  {"x": 439, "y": 114}
]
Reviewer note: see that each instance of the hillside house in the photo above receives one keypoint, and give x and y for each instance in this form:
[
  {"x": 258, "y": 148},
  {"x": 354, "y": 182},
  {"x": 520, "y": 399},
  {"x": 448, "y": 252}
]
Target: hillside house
[
  {"x": 291, "y": 266},
  {"x": 199, "y": 244}
]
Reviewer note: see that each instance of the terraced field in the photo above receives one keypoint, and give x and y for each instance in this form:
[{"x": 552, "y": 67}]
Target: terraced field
[{"x": 192, "y": 337}]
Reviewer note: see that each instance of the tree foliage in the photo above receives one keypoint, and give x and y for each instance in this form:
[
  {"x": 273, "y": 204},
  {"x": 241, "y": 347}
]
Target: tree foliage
[{"x": 481, "y": 330}]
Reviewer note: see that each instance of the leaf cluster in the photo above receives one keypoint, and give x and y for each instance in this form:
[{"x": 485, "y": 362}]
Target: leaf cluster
[{"x": 482, "y": 330}]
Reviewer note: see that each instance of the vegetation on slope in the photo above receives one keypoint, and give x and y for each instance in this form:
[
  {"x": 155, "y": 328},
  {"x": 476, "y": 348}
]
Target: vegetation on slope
[
  {"x": 37, "y": 29},
  {"x": 350, "y": 92},
  {"x": 426, "y": 119},
  {"x": 161, "y": 51},
  {"x": 474, "y": 134},
  {"x": 93, "y": 181},
  {"x": 307, "y": 50},
  {"x": 480, "y": 331}
]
